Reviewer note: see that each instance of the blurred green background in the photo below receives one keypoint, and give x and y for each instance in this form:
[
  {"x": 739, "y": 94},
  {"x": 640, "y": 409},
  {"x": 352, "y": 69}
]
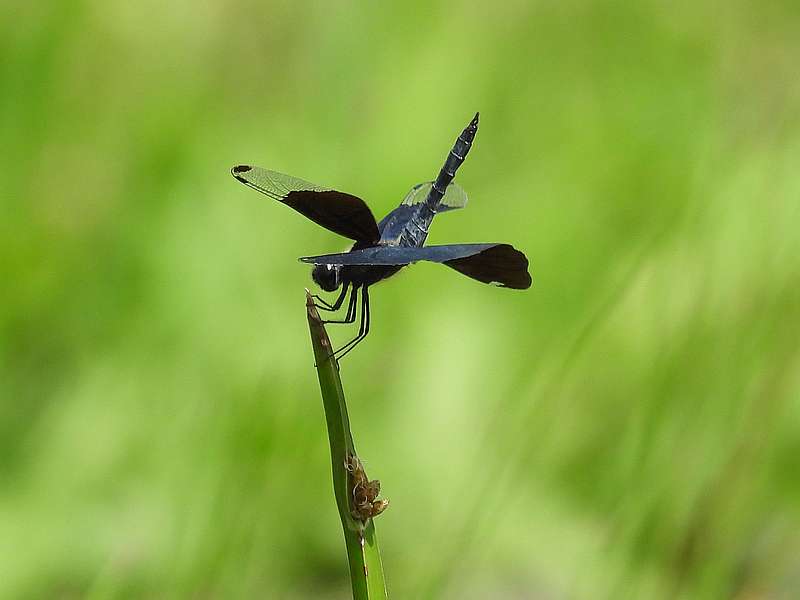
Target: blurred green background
[{"x": 627, "y": 428}]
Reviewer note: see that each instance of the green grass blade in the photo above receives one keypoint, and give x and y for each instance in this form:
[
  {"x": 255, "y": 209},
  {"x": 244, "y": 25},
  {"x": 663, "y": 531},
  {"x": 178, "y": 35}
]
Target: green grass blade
[{"x": 363, "y": 555}]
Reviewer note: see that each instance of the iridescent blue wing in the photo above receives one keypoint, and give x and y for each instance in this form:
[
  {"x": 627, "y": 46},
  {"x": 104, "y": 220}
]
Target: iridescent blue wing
[{"x": 499, "y": 264}]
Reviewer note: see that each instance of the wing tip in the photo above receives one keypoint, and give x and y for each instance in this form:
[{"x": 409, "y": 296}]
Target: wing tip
[
  {"x": 236, "y": 169},
  {"x": 522, "y": 279},
  {"x": 527, "y": 280}
]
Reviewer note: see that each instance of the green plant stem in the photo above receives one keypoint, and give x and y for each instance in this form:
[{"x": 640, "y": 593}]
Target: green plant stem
[{"x": 363, "y": 555}]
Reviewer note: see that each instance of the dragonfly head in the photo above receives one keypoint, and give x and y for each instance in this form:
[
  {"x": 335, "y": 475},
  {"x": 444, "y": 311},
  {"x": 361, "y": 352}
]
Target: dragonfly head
[{"x": 327, "y": 277}]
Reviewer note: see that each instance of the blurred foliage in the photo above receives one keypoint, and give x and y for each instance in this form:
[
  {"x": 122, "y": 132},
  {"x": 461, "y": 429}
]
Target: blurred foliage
[{"x": 628, "y": 428}]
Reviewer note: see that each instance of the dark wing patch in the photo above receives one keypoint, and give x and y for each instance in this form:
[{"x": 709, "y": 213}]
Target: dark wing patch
[
  {"x": 502, "y": 264},
  {"x": 338, "y": 212},
  {"x": 341, "y": 213}
]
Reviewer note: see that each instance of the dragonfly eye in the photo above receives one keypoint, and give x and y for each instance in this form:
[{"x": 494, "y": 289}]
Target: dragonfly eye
[{"x": 326, "y": 277}]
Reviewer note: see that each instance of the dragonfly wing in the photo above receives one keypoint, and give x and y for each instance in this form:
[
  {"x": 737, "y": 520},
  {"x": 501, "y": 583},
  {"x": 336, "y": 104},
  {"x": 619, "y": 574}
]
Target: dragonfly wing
[
  {"x": 338, "y": 212},
  {"x": 398, "y": 255},
  {"x": 454, "y": 196},
  {"x": 502, "y": 265}
]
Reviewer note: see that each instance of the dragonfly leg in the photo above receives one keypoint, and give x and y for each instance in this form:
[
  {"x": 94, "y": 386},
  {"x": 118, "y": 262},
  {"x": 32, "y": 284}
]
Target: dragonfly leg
[
  {"x": 362, "y": 331},
  {"x": 322, "y": 304},
  {"x": 350, "y": 317}
]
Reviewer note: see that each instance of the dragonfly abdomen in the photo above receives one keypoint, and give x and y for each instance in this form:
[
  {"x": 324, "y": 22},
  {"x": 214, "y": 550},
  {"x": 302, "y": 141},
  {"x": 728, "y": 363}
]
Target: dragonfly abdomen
[
  {"x": 455, "y": 159},
  {"x": 415, "y": 232}
]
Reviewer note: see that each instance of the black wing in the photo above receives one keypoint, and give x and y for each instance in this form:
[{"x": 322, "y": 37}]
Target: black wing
[
  {"x": 338, "y": 212},
  {"x": 500, "y": 264}
]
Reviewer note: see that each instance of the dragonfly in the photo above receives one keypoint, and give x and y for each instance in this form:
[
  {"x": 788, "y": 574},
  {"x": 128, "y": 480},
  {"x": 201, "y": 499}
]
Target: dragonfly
[{"x": 381, "y": 249}]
